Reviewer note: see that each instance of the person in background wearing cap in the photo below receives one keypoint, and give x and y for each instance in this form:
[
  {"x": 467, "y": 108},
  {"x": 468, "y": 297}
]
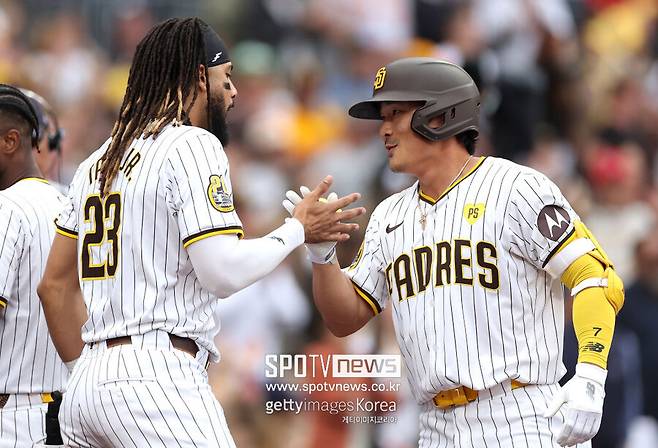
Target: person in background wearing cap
[
  {"x": 473, "y": 258},
  {"x": 155, "y": 240},
  {"x": 31, "y": 372},
  {"x": 49, "y": 155}
]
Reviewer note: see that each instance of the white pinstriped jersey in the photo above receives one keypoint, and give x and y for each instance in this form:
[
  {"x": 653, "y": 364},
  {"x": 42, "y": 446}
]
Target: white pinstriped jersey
[
  {"x": 29, "y": 362},
  {"x": 473, "y": 304},
  {"x": 135, "y": 273}
]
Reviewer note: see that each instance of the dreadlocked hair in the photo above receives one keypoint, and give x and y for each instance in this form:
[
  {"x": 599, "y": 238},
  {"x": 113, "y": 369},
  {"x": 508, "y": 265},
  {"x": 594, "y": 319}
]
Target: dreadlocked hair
[{"x": 163, "y": 74}]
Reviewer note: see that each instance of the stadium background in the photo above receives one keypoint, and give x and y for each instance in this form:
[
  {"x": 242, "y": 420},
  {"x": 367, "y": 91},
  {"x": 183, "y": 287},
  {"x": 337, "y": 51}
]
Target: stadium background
[{"x": 569, "y": 87}]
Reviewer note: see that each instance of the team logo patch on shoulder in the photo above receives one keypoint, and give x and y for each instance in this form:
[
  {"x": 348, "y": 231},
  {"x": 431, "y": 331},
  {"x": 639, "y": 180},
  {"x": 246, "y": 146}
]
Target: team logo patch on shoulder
[
  {"x": 379, "y": 78},
  {"x": 218, "y": 195},
  {"x": 473, "y": 212},
  {"x": 553, "y": 221}
]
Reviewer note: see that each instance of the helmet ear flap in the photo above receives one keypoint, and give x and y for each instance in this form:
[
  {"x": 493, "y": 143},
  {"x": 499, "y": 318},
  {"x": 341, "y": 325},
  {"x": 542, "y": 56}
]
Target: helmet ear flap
[
  {"x": 456, "y": 119},
  {"x": 420, "y": 121}
]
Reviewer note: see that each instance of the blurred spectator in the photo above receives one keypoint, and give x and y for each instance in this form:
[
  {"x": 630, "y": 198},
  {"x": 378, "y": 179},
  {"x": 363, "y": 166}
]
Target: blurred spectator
[
  {"x": 381, "y": 25},
  {"x": 525, "y": 35},
  {"x": 66, "y": 62},
  {"x": 354, "y": 161},
  {"x": 619, "y": 217},
  {"x": 328, "y": 429},
  {"x": 259, "y": 320},
  {"x": 312, "y": 122},
  {"x": 640, "y": 313},
  {"x": 451, "y": 26},
  {"x": 130, "y": 26}
]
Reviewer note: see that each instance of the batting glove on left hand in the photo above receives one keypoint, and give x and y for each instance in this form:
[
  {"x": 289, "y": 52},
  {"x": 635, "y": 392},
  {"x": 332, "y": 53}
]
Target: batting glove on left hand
[
  {"x": 318, "y": 253},
  {"x": 583, "y": 394}
]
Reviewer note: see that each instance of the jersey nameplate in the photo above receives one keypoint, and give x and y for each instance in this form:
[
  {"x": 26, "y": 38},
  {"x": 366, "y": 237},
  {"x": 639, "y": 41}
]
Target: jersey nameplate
[{"x": 460, "y": 261}]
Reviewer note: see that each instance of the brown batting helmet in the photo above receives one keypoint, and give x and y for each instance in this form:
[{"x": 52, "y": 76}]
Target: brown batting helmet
[{"x": 444, "y": 88}]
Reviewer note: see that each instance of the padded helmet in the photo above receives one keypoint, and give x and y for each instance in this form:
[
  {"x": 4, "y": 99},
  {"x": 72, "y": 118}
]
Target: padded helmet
[{"x": 444, "y": 88}]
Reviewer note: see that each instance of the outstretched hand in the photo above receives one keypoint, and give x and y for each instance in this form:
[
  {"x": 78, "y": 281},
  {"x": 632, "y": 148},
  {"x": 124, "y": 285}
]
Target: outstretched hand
[{"x": 324, "y": 220}]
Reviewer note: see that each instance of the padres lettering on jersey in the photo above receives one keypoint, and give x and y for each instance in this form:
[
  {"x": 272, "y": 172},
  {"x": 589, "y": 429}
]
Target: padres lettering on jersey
[
  {"x": 460, "y": 261},
  {"x": 28, "y": 360},
  {"x": 136, "y": 275},
  {"x": 472, "y": 303}
]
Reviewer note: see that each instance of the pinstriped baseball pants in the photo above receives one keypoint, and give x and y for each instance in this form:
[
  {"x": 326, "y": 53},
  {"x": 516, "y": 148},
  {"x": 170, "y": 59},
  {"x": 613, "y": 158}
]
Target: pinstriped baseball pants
[
  {"x": 140, "y": 395},
  {"x": 499, "y": 418},
  {"x": 23, "y": 421}
]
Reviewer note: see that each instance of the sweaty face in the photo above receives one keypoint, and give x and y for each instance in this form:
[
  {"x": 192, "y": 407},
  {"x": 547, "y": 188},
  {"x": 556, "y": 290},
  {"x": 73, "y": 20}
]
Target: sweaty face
[
  {"x": 405, "y": 148},
  {"x": 222, "y": 96}
]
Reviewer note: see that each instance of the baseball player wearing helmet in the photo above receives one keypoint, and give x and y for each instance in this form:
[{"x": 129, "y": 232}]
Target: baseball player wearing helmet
[
  {"x": 148, "y": 242},
  {"x": 473, "y": 258},
  {"x": 51, "y": 135},
  {"x": 30, "y": 369}
]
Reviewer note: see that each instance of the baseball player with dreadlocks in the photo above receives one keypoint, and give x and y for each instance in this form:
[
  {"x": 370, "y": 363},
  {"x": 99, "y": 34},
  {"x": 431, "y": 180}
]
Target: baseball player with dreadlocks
[
  {"x": 472, "y": 258},
  {"x": 154, "y": 239}
]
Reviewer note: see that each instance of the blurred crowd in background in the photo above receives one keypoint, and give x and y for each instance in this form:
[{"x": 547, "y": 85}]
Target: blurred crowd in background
[{"x": 569, "y": 87}]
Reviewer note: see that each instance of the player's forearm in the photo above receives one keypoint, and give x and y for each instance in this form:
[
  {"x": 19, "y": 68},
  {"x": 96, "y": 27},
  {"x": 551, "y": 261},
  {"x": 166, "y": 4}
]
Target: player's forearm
[
  {"x": 224, "y": 265},
  {"x": 65, "y": 314},
  {"x": 594, "y": 307},
  {"x": 342, "y": 310},
  {"x": 594, "y": 324}
]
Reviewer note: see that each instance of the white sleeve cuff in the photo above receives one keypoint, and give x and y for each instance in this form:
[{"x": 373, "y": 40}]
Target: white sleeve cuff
[
  {"x": 570, "y": 253},
  {"x": 292, "y": 232}
]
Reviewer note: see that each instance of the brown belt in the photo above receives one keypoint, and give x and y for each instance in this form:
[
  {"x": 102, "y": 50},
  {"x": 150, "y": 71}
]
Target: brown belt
[
  {"x": 461, "y": 395},
  {"x": 185, "y": 344}
]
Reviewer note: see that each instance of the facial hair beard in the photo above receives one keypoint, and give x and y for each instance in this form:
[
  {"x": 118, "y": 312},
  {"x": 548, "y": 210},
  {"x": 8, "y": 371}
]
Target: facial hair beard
[{"x": 218, "y": 126}]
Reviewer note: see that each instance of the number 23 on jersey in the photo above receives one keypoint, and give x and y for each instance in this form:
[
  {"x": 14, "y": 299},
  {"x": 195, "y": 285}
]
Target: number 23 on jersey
[{"x": 104, "y": 215}]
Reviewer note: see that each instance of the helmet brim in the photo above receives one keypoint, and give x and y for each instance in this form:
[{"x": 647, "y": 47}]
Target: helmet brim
[{"x": 370, "y": 109}]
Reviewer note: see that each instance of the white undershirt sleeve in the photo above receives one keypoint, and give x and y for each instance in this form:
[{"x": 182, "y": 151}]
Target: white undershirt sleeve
[{"x": 225, "y": 264}]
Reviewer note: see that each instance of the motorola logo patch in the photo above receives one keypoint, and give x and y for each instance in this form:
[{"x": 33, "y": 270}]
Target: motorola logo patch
[{"x": 553, "y": 221}]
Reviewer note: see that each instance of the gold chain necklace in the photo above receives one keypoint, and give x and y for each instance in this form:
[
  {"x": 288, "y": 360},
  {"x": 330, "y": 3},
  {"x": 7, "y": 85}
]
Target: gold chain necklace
[{"x": 423, "y": 214}]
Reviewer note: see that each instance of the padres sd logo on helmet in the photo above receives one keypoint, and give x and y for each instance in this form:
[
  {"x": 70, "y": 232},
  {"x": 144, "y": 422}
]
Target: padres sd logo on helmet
[
  {"x": 218, "y": 195},
  {"x": 379, "y": 78}
]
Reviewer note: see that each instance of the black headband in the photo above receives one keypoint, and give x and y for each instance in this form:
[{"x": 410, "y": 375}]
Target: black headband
[{"x": 216, "y": 51}]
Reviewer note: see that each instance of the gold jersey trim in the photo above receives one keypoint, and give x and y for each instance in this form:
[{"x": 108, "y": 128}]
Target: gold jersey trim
[
  {"x": 65, "y": 232},
  {"x": 38, "y": 179},
  {"x": 213, "y": 232},
  {"x": 430, "y": 200},
  {"x": 370, "y": 300}
]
